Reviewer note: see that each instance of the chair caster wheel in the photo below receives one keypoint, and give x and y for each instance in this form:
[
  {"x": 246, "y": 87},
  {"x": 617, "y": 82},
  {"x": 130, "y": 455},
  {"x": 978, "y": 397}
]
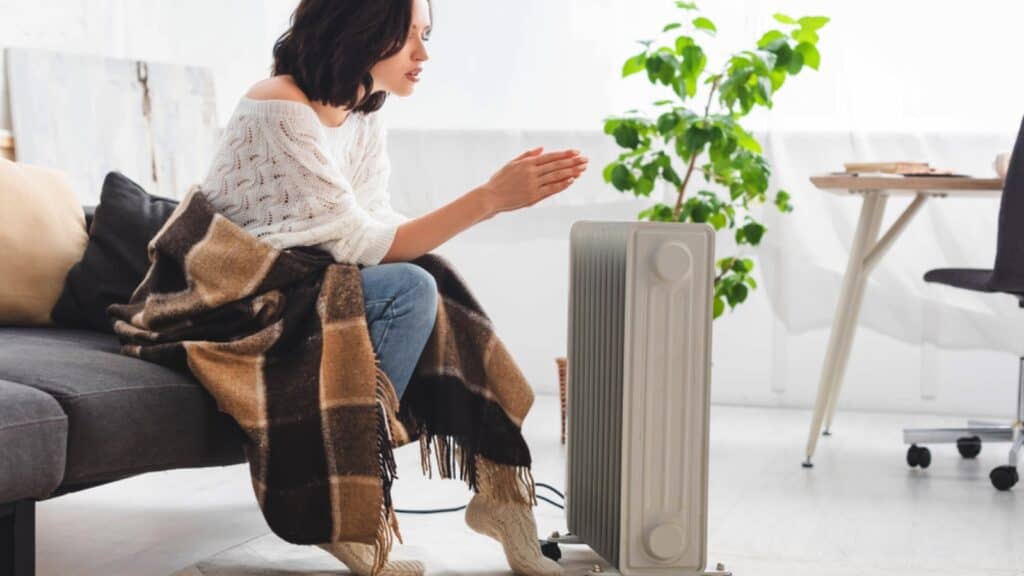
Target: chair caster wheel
[
  {"x": 919, "y": 456},
  {"x": 969, "y": 447},
  {"x": 1004, "y": 477},
  {"x": 551, "y": 550}
]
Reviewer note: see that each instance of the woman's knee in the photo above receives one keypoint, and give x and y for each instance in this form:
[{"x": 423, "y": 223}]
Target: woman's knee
[{"x": 419, "y": 286}]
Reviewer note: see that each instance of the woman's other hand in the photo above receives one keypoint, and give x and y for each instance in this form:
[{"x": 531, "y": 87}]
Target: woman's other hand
[{"x": 532, "y": 177}]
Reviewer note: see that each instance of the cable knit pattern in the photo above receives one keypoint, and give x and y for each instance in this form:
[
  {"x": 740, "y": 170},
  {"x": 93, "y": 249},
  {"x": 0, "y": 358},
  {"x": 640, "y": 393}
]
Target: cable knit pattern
[
  {"x": 290, "y": 180},
  {"x": 358, "y": 557},
  {"x": 510, "y": 523}
]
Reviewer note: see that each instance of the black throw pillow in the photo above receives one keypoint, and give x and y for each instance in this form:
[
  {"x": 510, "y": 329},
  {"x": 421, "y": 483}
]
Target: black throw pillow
[{"x": 115, "y": 259}]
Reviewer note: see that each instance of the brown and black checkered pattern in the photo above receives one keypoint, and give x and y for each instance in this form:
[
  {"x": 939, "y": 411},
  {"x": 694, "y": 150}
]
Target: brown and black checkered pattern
[{"x": 280, "y": 340}]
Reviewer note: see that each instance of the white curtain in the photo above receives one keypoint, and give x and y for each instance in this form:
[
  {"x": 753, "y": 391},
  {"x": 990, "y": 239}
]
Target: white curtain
[{"x": 770, "y": 350}]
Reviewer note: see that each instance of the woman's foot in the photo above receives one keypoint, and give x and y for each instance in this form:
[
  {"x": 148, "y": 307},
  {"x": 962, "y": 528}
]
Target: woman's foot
[
  {"x": 358, "y": 557},
  {"x": 513, "y": 525}
]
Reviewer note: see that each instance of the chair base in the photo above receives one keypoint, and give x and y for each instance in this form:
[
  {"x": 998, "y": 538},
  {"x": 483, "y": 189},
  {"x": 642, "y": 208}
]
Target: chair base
[
  {"x": 18, "y": 538},
  {"x": 970, "y": 439}
]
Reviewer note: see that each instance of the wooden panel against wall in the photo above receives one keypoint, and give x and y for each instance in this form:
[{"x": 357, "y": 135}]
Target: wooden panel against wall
[
  {"x": 88, "y": 115},
  {"x": 6, "y": 145}
]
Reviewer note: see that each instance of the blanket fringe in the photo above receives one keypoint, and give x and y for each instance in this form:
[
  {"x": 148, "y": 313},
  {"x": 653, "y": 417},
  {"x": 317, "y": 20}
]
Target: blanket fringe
[
  {"x": 387, "y": 523},
  {"x": 383, "y": 541},
  {"x": 503, "y": 483}
]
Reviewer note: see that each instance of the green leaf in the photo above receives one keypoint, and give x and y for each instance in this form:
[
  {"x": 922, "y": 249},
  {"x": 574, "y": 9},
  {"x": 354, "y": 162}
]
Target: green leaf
[
  {"x": 682, "y": 42},
  {"x": 644, "y": 186},
  {"x": 748, "y": 263},
  {"x": 653, "y": 66},
  {"x": 607, "y": 172},
  {"x": 634, "y": 65},
  {"x": 752, "y": 233},
  {"x": 650, "y": 170},
  {"x": 611, "y": 124},
  {"x": 783, "y": 54},
  {"x": 667, "y": 122},
  {"x": 717, "y": 220},
  {"x": 805, "y": 35},
  {"x": 699, "y": 212},
  {"x": 782, "y": 201},
  {"x": 769, "y": 37},
  {"x": 719, "y": 307},
  {"x": 671, "y": 26},
  {"x": 737, "y": 294},
  {"x": 813, "y": 22},
  {"x": 670, "y": 174},
  {"x": 749, "y": 280},
  {"x": 784, "y": 19},
  {"x": 622, "y": 178},
  {"x": 694, "y": 60},
  {"x": 796, "y": 62},
  {"x": 692, "y": 65},
  {"x": 668, "y": 68},
  {"x": 775, "y": 45},
  {"x": 702, "y": 23},
  {"x": 686, "y": 5},
  {"x": 746, "y": 140},
  {"x": 626, "y": 136},
  {"x": 810, "y": 54},
  {"x": 695, "y": 138}
]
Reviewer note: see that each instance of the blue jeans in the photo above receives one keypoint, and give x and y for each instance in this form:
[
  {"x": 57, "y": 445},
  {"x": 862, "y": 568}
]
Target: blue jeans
[{"x": 401, "y": 307}]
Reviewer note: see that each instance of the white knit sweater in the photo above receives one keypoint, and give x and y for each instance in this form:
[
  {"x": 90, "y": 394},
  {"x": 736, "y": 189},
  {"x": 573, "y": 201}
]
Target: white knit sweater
[{"x": 291, "y": 180}]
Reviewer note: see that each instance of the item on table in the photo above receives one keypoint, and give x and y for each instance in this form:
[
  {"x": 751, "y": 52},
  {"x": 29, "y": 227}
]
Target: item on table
[
  {"x": 1002, "y": 164},
  {"x": 895, "y": 169}
]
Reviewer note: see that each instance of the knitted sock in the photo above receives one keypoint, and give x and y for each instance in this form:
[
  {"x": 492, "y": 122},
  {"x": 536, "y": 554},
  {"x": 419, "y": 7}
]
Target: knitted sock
[
  {"x": 358, "y": 557},
  {"x": 509, "y": 522}
]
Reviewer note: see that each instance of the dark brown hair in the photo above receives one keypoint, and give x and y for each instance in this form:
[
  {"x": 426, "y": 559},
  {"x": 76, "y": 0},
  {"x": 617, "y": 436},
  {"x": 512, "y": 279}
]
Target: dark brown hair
[{"x": 331, "y": 46}]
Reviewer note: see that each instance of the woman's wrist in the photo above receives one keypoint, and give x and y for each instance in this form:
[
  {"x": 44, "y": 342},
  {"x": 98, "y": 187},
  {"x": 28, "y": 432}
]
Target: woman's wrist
[{"x": 484, "y": 199}]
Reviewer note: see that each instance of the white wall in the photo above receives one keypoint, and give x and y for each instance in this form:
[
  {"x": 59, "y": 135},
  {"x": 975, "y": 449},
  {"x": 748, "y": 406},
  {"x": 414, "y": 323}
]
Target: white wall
[
  {"x": 554, "y": 64},
  {"x": 226, "y": 36},
  {"x": 507, "y": 75}
]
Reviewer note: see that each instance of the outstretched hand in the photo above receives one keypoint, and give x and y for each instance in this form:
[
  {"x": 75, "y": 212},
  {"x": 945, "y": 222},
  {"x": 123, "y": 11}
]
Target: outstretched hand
[{"x": 533, "y": 176}]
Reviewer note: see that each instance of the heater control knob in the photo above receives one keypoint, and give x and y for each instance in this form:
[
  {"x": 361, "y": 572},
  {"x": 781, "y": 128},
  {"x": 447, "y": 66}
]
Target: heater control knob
[
  {"x": 672, "y": 261},
  {"x": 666, "y": 541}
]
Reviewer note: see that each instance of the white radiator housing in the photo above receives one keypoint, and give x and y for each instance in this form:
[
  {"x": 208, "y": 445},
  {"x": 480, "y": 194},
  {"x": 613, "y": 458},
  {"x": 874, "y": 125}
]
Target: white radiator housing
[{"x": 640, "y": 312}]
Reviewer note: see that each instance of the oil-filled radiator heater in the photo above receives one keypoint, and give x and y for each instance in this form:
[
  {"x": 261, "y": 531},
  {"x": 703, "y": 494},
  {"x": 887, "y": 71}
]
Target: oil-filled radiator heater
[{"x": 640, "y": 312}]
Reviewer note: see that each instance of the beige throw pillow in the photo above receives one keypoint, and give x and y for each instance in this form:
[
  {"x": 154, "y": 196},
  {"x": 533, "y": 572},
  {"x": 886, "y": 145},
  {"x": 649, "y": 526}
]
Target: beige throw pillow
[{"x": 42, "y": 234}]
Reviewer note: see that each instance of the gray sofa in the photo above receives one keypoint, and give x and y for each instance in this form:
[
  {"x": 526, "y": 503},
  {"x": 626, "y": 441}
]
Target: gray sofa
[{"x": 74, "y": 413}]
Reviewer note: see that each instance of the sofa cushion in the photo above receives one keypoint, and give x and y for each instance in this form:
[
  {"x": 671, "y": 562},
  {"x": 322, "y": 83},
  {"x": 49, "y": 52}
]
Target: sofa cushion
[
  {"x": 115, "y": 259},
  {"x": 42, "y": 232},
  {"x": 125, "y": 415},
  {"x": 33, "y": 435}
]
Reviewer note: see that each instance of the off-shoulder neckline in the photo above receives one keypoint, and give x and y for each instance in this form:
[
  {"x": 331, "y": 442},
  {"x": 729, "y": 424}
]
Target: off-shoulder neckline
[{"x": 290, "y": 107}]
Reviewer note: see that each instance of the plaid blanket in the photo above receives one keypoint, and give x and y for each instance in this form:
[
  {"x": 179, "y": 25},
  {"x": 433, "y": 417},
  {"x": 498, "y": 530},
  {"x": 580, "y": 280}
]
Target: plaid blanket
[{"x": 279, "y": 339}]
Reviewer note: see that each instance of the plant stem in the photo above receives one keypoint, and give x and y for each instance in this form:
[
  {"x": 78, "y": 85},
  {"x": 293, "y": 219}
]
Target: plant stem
[
  {"x": 682, "y": 188},
  {"x": 681, "y": 192}
]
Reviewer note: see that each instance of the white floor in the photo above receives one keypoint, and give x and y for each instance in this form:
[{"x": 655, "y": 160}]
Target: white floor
[{"x": 859, "y": 511}]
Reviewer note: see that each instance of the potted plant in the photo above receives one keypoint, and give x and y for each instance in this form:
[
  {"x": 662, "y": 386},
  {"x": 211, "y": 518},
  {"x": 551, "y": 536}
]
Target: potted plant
[
  {"x": 699, "y": 131},
  {"x": 687, "y": 137}
]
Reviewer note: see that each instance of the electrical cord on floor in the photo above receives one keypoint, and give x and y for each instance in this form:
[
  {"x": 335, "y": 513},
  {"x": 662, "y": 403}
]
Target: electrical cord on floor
[{"x": 463, "y": 507}]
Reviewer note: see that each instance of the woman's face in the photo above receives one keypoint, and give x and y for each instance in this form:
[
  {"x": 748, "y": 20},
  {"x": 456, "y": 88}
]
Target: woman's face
[{"x": 399, "y": 74}]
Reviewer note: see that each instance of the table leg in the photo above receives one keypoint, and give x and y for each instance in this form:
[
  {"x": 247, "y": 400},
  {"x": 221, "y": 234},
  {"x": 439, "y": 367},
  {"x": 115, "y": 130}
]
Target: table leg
[
  {"x": 871, "y": 259},
  {"x": 847, "y": 309}
]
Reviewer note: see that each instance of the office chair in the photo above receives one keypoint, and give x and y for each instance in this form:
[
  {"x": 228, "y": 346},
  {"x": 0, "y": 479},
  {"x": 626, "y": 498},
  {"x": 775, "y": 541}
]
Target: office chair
[{"x": 1007, "y": 276}]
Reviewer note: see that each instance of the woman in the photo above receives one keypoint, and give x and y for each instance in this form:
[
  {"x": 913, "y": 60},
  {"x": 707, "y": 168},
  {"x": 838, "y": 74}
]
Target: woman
[{"x": 303, "y": 162}]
